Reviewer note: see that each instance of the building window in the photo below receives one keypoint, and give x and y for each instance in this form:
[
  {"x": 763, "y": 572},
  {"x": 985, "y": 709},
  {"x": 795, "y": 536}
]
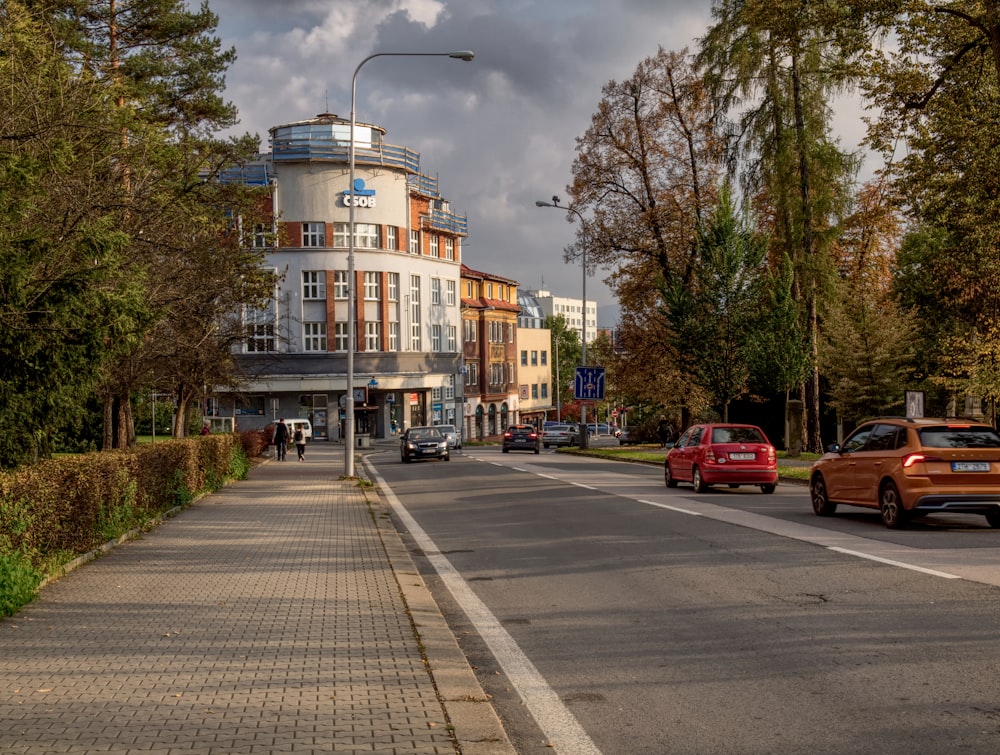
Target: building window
[
  {"x": 393, "y": 336},
  {"x": 524, "y": 357},
  {"x": 435, "y": 338},
  {"x": 392, "y": 281},
  {"x": 313, "y": 234},
  {"x": 435, "y": 394},
  {"x": 450, "y": 293},
  {"x": 414, "y": 242},
  {"x": 340, "y": 336},
  {"x": 314, "y": 336},
  {"x": 373, "y": 286},
  {"x": 471, "y": 334},
  {"x": 260, "y": 329},
  {"x": 545, "y": 358},
  {"x": 261, "y": 235},
  {"x": 365, "y": 235},
  {"x": 435, "y": 290},
  {"x": 489, "y": 290},
  {"x": 433, "y": 242},
  {"x": 534, "y": 391},
  {"x": 340, "y": 284},
  {"x": 468, "y": 287},
  {"x": 391, "y": 237},
  {"x": 313, "y": 285},
  {"x": 373, "y": 336},
  {"x": 534, "y": 358},
  {"x": 414, "y": 313},
  {"x": 452, "y": 338},
  {"x": 472, "y": 374},
  {"x": 510, "y": 373},
  {"x": 449, "y": 249},
  {"x": 545, "y": 391},
  {"x": 449, "y": 390}
]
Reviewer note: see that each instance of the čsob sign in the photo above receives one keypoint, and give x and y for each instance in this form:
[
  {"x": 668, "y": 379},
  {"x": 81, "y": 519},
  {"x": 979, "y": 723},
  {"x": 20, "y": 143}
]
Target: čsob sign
[{"x": 360, "y": 197}]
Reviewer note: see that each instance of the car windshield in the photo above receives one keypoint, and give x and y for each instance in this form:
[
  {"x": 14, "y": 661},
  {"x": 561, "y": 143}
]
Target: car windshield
[
  {"x": 736, "y": 435},
  {"x": 424, "y": 434},
  {"x": 959, "y": 436}
]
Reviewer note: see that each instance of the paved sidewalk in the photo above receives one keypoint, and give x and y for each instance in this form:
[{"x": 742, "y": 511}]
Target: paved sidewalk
[{"x": 272, "y": 616}]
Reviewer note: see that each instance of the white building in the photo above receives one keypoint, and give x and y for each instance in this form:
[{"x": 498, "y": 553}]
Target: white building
[
  {"x": 407, "y": 273},
  {"x": 571, "y": 309}
]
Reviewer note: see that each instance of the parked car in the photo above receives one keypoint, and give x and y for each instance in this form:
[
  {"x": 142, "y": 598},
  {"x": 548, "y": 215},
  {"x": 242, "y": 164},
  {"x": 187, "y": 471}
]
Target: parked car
[
  {"x": 602, "y": 428},
  {"x": 726, "y": 454},
  {"x": 907, "y": 468},
  {"x": 423, "y": 443},
  {"x": 452, "y": 434},
  {"x": 626, "y": 437},
  {"x": 561, "y": 435},
  {"x": 521, "y": 438}
]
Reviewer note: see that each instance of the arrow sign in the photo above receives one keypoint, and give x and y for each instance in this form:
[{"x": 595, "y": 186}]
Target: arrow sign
[{"x": 589, "y": 385}]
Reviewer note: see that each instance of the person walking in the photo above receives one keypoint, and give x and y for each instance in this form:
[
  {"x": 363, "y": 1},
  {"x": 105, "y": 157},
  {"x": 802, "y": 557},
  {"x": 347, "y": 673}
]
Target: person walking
[
  {"x": 300, "y": 443},
  {"x": 664, "y": 432},
  {"x": 280, "y": 439}
]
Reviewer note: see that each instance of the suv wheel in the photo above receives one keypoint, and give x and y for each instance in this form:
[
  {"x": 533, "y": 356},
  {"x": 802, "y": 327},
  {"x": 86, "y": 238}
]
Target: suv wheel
[
  {"x": 993, "y": 518},
  {"x": 698, "y": 482},
  {"x": 893, "y": 513},
  {"x": 822, "y": 505}
]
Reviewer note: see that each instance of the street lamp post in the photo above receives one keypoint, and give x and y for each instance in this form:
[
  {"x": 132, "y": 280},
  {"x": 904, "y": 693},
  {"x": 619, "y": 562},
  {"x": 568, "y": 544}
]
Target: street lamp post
[
  {"x": 351, "y": 287},
  {"x": 584, "y": 434}
]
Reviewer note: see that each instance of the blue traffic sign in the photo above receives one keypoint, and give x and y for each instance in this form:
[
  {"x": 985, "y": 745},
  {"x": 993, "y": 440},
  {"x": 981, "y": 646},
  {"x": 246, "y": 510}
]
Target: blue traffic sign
[{"x": 589, "y": 384}]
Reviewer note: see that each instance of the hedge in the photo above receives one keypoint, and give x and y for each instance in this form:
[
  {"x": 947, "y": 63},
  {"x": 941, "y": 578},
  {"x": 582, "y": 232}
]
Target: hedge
[{"x": 60, "y": 509}]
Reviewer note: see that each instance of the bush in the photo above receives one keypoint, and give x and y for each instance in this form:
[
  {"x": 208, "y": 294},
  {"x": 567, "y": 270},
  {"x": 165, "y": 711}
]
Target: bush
[{"x": 59, "y": 509}]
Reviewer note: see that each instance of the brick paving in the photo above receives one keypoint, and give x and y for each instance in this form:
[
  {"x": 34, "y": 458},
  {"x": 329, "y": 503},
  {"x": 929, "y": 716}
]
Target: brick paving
[{"x": 265, "y": 618}]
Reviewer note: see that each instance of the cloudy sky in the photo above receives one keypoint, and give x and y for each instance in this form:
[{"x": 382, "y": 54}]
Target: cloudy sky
[{"x": 499, "y": 132}]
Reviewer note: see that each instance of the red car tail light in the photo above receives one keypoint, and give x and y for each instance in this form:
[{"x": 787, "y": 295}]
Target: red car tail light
[
  {"x": 710, "y": 455},
  {"x": 507, "y": 435}
]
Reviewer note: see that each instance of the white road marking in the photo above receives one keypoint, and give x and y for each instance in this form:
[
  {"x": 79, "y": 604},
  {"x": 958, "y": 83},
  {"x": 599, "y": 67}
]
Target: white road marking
[
  {"x": 891, "y": 562},
  {"x": 557, "y": 723},
  {"x": 672, "y": 508}
]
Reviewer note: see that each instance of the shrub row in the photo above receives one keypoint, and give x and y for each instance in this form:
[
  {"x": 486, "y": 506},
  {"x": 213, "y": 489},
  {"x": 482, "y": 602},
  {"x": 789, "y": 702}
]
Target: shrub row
[{"x": 59, "y": 509}]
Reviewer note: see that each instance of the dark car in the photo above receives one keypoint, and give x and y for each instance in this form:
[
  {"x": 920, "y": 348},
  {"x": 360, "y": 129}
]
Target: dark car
[
  {"x": 730, "y": 455},
  {"x": 907, "y": 468},
  {"x": 521, "y": 438},
  {"x": 423, "y": 443}
]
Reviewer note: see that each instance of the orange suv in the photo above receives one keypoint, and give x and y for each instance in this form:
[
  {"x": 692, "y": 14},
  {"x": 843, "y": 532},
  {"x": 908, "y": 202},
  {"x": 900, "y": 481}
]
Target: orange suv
[{"x": 910, "y": 467}]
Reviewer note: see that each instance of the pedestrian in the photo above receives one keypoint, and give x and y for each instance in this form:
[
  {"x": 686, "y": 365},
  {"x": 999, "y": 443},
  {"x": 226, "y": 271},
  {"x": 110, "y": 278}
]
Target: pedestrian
[
  {"x": 280, "y": 439},
  {"x": 300, "y": 442},
  {"x": 664, "y": 432}
]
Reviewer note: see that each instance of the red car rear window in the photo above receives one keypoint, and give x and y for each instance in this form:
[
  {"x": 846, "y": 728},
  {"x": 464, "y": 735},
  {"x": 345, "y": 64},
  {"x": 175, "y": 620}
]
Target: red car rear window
[{"x": 737, "y": 435}]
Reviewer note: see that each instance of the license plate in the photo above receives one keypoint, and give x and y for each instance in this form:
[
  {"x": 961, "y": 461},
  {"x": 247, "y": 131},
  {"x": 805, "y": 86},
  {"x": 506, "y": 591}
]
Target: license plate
[
  {"x": 970, "y": 466},
  {"x": 743, "y": 456}
]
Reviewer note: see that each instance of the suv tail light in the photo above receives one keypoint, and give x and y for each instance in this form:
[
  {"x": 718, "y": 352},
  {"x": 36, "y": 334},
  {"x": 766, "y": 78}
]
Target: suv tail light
[
  {"x": 507, "y": 435},
  {"x": 710, "y": 455},
  {"x": 915, "y": 458}
]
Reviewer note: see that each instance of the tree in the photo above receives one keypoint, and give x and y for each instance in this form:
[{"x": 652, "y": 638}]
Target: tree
[
  {"x": 64, "y": 295},
  {"x": 716, "y": 316},
  {"x": 782, "y": 63},
  {"x": 567, "y": 353}
]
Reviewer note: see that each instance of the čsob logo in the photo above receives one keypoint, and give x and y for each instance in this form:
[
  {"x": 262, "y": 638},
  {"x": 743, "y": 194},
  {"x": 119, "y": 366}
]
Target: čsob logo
[{"x": 360, "y": 197}]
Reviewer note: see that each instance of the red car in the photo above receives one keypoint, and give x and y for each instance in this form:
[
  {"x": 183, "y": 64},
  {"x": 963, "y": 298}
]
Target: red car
[{"x": 730, "y": 455}]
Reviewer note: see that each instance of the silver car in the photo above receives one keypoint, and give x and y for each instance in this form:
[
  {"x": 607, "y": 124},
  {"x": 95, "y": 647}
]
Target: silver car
[
  {"x": 452, "y": 434},
  {"x": 561, "y": 435}
]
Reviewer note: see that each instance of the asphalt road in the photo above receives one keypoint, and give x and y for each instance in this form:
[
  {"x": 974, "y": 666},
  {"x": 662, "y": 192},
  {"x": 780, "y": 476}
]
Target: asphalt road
[{"x": 606, "y": 613}]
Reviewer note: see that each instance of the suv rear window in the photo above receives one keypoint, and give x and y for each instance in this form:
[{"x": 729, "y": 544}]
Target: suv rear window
[{"x": 959, "y": 436}]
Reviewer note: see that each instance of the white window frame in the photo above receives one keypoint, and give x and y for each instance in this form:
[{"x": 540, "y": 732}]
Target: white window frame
[
  {"x": 373, "y": 336},
  {"x": 435, "y": 290},
  {"x": 393, "y": 336},
  {"x": 340, "y": 342},
  {"x": 449, "y": 248},
  {"x": 415, "y": 334},
  {"x": 340, "y": 285},
  {"x": 392, "y": 237},
  {"x": 436, "y": 338},
  {"x": 314, "y": 336},
  {"x": 314, "y": 285},
  {"x": 433, "y": 244},
  {"x": 373, "y": 286},
  {"x": 414, "y": 242},
  {"x": 392, "y": 283},
  {"x": 452, "y": 338},
  {"x": 313, "y": 234},
  {"x": 450, "y": 290}
]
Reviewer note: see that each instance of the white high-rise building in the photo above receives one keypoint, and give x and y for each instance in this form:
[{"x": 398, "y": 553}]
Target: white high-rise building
[{"x": 571, "y": 309}]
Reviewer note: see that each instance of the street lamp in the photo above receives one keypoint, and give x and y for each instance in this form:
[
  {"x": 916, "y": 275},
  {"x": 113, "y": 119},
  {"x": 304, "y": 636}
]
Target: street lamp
[
  {"x": 351, "y": 288},
  {"x": 584, "y": 435}
]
